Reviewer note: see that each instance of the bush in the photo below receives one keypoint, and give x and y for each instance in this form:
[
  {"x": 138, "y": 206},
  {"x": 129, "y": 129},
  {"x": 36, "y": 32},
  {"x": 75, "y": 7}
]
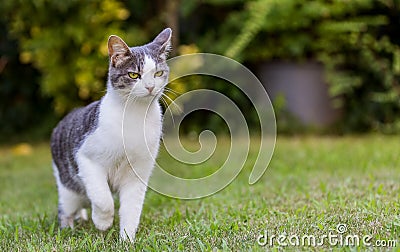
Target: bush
[
  {"x": 21, "y": 107},
  {"x": 65, "y": 41},
  {"x": 356, "y": 41}
]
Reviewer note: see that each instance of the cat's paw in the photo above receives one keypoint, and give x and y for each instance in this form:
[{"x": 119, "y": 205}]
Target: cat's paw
[
  {"x": 102, "y": 219},
  {"x": 66, "y": 221},
  {"x": 81, "y": 215},
  {"x": 127, "y": 236}
]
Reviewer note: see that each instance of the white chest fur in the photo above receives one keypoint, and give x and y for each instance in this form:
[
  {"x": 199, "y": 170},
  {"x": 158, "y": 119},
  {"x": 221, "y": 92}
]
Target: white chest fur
[
  {"x": 120, "y": 155},
  {"x": 126, "y": 131}
]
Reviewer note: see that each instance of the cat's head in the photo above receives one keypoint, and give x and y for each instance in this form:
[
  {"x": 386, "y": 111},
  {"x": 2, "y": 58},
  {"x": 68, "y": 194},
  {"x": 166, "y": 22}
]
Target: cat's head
[{"x": 142, "y": 71}]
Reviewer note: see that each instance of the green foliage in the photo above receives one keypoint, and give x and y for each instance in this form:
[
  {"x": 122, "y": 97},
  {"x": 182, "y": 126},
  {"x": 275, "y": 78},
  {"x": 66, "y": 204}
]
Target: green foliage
[
  {"x": 21, "y": 102},
  {"x": 66, "y": 41},
  {"x": 355, "y": 40},
  {"x": 295, "y": 29},
  {"x": 366, "y": 78},
  {"x": 56, "y": 54}
]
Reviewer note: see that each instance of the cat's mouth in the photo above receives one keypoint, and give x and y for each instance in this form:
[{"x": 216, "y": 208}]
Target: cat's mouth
[
  {"x": 153, "y": 94},
  {"x": 148, "y": 96},
  {"x": 143, "y": 96}
]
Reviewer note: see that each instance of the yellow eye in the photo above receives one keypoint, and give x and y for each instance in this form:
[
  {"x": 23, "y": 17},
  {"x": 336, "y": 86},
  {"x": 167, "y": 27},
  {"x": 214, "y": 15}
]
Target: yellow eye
[
  {"x": 134, "y": 75},
  {"x": 158, "y": 73}
]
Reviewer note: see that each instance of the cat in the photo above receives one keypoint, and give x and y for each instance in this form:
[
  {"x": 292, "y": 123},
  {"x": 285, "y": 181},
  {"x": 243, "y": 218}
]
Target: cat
[{"x": 110, "y": 145}]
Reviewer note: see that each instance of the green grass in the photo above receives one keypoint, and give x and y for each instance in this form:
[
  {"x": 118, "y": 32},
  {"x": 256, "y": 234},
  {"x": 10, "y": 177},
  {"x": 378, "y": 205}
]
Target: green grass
[{"x": 312, "y": 185}]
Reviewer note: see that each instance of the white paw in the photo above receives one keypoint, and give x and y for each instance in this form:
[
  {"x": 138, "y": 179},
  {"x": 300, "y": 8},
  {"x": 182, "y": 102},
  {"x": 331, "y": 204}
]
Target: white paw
[
  {"x": 81, "y": 215},
  {"x": 67, "y": 221},
  {"x": 128, "y": 236},
  {"x": 102, "y": 219},
  {"x": 84, "y": 215}
]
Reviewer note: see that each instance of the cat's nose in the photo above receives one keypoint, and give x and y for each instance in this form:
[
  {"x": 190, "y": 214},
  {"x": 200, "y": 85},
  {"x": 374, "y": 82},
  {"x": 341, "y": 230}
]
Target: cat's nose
[{"x": 150, "y": 89}]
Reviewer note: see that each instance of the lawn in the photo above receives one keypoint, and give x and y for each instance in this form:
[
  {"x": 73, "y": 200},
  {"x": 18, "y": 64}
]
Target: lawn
[{"x": 313, "y": 186}]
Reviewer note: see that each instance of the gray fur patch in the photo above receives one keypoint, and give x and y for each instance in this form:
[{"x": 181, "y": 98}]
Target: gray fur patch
[{"x": 66, "y": 139}]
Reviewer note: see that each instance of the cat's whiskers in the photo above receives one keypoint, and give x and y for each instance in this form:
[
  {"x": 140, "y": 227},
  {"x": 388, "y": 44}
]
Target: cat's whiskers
[
  {"x": 166, "y": 108},
  {"x": 173, "y": 102},
  {"x": 164, "y": 102},
  {"x": 172, "y": 91}
]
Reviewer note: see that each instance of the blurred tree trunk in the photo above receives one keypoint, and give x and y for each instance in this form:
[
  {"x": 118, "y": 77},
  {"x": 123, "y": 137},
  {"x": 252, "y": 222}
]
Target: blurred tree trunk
[{"x": 171, "y": 17}]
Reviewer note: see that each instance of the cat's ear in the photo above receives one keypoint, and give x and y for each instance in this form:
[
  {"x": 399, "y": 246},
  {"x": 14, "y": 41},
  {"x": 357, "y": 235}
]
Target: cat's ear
[
  {"x": 118, "y": 50},
  {"x": 162, "y": 43}
]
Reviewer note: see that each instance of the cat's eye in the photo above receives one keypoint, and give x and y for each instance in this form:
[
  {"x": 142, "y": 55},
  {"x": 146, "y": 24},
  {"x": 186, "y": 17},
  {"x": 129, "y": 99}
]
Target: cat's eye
[
  {"x": 158, "y": 73},
  {"x": 134, "y": 75}
]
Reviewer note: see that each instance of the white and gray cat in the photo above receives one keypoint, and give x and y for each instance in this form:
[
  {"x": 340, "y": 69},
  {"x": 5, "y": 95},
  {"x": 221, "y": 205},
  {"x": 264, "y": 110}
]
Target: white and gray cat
[{"x": 110, "y": 145}]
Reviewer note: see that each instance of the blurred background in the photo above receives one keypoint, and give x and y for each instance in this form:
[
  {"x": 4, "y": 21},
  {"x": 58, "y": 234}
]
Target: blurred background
[{"x": 329, "y": 66}]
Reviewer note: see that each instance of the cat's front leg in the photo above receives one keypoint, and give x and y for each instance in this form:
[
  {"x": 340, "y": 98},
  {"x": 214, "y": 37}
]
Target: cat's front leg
[
  {"x": 132, "y": 192},
  {"x": 94, "y": 177}
]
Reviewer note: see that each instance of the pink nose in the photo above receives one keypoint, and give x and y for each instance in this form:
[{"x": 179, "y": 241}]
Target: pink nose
[{"x": 150, "y": 88}]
